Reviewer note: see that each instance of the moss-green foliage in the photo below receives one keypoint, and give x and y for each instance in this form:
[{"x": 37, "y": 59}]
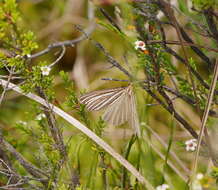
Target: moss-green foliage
[{"x": 205, "y": 4}]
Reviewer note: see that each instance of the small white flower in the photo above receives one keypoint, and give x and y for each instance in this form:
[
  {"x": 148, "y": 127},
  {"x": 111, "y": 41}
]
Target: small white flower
[
  {"x": 17, "y": 56},
  {"x": 196, "y": 185},
  {"x": 117, "y": 10},
  {"x": 140, "y": 45},
  {"x": 22, "y": 122},
  {"x": 162, "y": 187},
  {"x": 191, "y": 145},
  {"x": 28, "y": 55},
  {"x": 143, "y": 123},
  {"x": 45, "y": 70},
  {"x": 40, "y": 116},
  {"x": 199, "y": 176}
]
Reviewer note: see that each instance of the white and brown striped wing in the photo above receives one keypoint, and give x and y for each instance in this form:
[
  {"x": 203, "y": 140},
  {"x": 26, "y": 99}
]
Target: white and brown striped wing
[
  {"x": 120, "y": 104},
  {"x": 117, "y": 113},
  {"x": 100, "y": 99},
  {"x": 124, "y": 110},
  {"x": 133, "y": 119}
]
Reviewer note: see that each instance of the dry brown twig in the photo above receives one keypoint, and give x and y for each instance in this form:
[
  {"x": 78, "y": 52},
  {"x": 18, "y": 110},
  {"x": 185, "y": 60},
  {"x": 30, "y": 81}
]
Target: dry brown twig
[
  {"x": 204, "y": 120},
  {"x": 33, "y": 170}
]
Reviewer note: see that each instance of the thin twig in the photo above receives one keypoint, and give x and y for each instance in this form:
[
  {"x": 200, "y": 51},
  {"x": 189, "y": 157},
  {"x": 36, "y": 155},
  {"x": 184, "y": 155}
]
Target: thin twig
[
  {"x": 66, "y": 43},
  {"x": 211, "y": 23},
  {"x": 179, "y": 118},
  {"x": 173, "y": 42},
  {"x": 109, "y": 18},
  {"x": 33, "y": 170},
  {"x": 5, "y": 88},
  {"x": 194, "y": 72},
  {"x": 126, "y": 155},
  {"x": 110, "y": 59},
  {"x": 184, "y": 178},
  {"x": 170, "y": 14},
  {"x": 60, "y": 56},
  {"x": 205, "y": 116},
  {"x": 171, "y": 152},
  {"x": 13, "y": 77},
  {"x": 117, "y": 80},
  {"x": 54, "y": 129}
]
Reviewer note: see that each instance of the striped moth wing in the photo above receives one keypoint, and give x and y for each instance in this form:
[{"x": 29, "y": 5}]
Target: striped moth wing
[{"x": 120, "y": 105}]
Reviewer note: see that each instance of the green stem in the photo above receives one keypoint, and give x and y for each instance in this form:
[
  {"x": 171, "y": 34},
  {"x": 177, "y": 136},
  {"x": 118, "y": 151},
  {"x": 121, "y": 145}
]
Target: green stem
[
  {"x": 126, "y": 155},
  {"x": 172, "y": 127}
]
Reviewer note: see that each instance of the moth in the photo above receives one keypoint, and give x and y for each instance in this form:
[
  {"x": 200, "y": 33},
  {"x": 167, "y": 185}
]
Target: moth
[{"x": 119, "y": 104}]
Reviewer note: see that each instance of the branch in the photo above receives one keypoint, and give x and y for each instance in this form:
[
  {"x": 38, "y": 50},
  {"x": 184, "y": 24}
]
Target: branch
[
  {"x": 211, "y": 23},
  {"x": 170, "y": 163},
  {"x": 54, "y": 129},
  {"x": 195, "y": 73},
  {"x": 173, "y": 42},
  {"x": 184, "y": 123},
  {"x": 110, "y": 59},
  {"x": 66, "y": 43},
  {"x": 11, "y": 72},
  {"x": 203, "y": 57},
  {"x": 173, "y": 154},
  {"x": 110, "y": 19},
  {"x": 204, "y": 120},
  {"x": 33, "y": 170},
  {"x": 178, "y": 94},
  {"x": 167, "y": 9}
]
